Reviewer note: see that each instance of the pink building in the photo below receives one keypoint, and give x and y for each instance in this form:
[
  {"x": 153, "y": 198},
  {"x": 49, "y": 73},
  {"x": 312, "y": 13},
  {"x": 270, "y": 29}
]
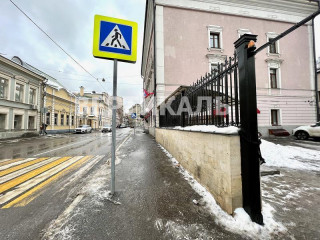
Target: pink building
[{"x": 193, "y": 36}]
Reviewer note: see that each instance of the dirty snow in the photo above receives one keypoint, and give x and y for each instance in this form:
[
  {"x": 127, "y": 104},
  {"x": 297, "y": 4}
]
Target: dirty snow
[
  {"x": 290, "y": 157},
  {"x": 209, "y": 129},
  {"x": 241, "y": 222}
]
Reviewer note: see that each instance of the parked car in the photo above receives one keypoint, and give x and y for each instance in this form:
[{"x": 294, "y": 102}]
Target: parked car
[
  {"x": 304, "y": 132},
  {"x": 107, "y": 128},
  {"x": 83, "y": 129},
  {"x": 123, "y": 125}
]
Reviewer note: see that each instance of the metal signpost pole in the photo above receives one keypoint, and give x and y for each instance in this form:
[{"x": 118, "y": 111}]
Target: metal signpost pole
[
  {"x": 114, "y": 112},
  {"x": 115, "y": 39}
]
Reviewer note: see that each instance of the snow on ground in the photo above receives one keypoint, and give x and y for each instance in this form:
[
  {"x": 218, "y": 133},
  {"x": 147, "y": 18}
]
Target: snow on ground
[
  {"x": 290, "y": 157},
  {"x": 241, "y": 222},
  {"x": 210, "y": 129}
]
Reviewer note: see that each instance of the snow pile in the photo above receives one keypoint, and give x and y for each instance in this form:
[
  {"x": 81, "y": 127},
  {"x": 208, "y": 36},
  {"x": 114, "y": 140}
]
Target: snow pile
[
  {"x": 241, "y": 222},
  {"x": 209, "y": 129},
  {"x": 290, "y": 157}
]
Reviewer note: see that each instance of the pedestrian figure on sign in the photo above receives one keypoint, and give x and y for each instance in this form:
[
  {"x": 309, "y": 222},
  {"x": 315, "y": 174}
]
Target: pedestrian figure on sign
[
  {"x": 44, "y": 128},
  {"x": 115, "y": 37}
]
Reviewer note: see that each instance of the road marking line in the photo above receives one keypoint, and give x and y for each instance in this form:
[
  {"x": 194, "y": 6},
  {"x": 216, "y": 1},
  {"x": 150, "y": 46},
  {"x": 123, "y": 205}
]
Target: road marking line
[
  {"x": 60, "y": 148},
  {"x": 36, "y": 180},
  {"x": 14, "y": 182},
  {"x": 22, "y": 160},
  {"x": 55, "y": 174},
  {"x": 25, "y": 170},
  {"x": 18, "y": 167},
  {"x": 7, "y": 161}
]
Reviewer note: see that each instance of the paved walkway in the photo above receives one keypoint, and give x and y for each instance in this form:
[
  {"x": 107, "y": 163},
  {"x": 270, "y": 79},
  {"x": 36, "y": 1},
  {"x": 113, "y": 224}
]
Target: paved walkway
[{"x": 156, "y": 201}]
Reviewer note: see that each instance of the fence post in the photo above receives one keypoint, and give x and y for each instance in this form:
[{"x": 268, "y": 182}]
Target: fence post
[{"x": 250, "y": 165}]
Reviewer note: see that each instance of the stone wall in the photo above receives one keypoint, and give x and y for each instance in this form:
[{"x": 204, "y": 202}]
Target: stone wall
[{"x": 214, "y": 160}]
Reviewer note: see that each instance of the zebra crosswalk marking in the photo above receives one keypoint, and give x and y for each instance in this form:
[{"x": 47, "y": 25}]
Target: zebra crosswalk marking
[
  {"x": 18, "y": 201},
  {"x": 27, "y": 169},
  {"x": 14, "y": 182},
  {"x": 25, "y": 184},
  {"x": 22, "y": 160},
  {"x": 7, "y": 161},
  {"x": 20, "y": 166}
]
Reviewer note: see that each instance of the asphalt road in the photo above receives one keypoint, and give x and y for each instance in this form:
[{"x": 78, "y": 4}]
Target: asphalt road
[
  {"x": 313, "y": 144},
  {"x": 40, "y": 178}
]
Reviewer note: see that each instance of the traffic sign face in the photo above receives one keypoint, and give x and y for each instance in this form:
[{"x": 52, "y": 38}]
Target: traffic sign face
[
  {"x": 133, "y": 115},
  {"x": 115, "y": 39}
]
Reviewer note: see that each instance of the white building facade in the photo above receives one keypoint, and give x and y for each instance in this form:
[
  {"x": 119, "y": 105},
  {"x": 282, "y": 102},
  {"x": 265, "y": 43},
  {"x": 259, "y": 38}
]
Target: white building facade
[{"x": 21, "y": 92}]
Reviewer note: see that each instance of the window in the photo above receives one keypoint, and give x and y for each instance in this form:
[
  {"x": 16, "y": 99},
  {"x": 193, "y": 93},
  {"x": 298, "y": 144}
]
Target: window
[
  {"x": 68, "y": 120},
  {"x": 92, "y": 111},
  {"x": 215, "y": 37},
  {"x": 273, "y": 47},
  {"x": 19, "y": 92},
  {"x": 31, "y": 122},
  {"x": 214, "y": 67},
  {"x": 274, "y": 117},
  {"x": 84, "y": 110},
  {"x": 243, "y": 31},
  {"x": 32, "y": 96},
  {"x": 48, "y": 118},
  {"x": 273, "y": 78},
  {"x": 17, "y": 122},
  {"x": 56, "y": 119},
  {"x": 214, "y": 40},
  {"x": 72, "y": 120},
  {"x": 3, "y": 121},
  {"x": 3, "y": 88},
  {"x": 62, "y": 120}
]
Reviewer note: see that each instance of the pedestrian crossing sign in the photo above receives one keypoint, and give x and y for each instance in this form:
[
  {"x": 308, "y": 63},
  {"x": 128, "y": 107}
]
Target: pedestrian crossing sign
[{"x": 115, "y": 39}]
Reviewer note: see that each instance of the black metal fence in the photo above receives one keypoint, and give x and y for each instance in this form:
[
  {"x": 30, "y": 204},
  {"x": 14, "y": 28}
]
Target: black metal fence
[{"x": 211, "y": 100}]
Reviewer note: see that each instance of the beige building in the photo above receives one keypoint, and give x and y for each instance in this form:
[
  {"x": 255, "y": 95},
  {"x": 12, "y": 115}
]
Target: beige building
[
  {"x": 93, "y": 109},
  {"x": 59, "y": 105},
  {"x": 136, "y": 108},
  {"x": 119, "y": 110},
  {"x": 20, "y": 99}
]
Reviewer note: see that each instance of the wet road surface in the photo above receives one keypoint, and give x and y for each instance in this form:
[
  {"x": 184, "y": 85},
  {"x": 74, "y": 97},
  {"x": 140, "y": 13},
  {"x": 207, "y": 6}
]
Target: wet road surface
[
  {"x": 313, "y": 144},
  {"x": 40, "y": 177}
]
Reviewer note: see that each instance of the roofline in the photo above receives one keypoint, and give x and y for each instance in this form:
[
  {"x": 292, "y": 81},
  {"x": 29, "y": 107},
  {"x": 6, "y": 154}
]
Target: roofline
[
  {"x": 45, "y": 76},
  {"x": 21, "y": 68},
  {"x": 144, "y": 34}
]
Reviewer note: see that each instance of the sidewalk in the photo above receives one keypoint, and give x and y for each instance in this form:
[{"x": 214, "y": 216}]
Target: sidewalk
[{"x": 156, "y": 201}]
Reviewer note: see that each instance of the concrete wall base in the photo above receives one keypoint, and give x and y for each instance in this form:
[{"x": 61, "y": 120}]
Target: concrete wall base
[
  {"x": 152, "y": 131},
  {"x": 214, "y": 160},
  {"x": 18, "y": 134}
]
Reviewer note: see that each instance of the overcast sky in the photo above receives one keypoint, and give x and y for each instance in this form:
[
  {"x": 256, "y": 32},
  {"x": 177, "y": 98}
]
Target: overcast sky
[{"x": 70, "y": 23}]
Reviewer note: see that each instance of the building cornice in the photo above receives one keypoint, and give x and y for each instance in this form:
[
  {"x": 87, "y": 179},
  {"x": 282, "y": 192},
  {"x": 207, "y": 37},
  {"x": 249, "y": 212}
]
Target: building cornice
[
  {"x": 276, "y": 10},
  {"x": 19, "y": 67}
]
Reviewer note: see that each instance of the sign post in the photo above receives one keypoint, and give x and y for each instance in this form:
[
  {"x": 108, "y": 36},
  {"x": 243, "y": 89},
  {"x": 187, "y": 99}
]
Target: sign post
[
  {"x": 134, "y": 116},
  {"x": 114, "y": 39}
]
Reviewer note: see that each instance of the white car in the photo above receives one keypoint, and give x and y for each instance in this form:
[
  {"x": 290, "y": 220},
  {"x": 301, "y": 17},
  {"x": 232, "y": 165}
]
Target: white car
[
  {"x": 83, "y": 129},
  {"x": 106, "y": 128},
  {"x": 304, "y": 132}
]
